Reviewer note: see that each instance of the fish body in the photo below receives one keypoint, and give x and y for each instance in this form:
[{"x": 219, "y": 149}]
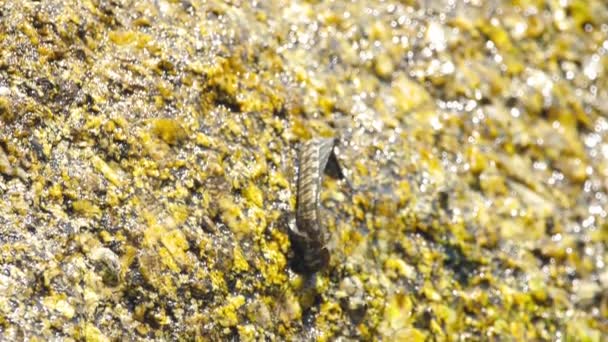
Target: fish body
[{"x": 309, "y": 238}]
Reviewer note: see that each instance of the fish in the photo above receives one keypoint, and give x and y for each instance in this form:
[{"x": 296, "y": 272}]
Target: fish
[{"x": 309, "y": 238}]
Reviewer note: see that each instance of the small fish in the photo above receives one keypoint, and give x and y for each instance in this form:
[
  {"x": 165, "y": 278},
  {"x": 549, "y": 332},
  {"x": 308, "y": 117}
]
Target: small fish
[{"x": 309, "y": 238}]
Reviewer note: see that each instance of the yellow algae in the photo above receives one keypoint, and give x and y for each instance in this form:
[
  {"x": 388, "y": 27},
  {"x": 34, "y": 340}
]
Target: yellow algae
[
  {"x": 497, "y": 34},
  {"x": 408, "y": 94},
  {"x": 477, "y": 161},
  {"x": 383, "y": 66},
  {"x": 113, "y": 198},
  {"x": 227, "y": 315},
  {"x": 30, "y": 32},
  {"x": 290, "y": 308},
  {"x": 177, "y": 245},
  {"x": 239, "y": 264},
  {"x": 277, "y": 179},
  {"x": 180, "y": 213},
  {"x": 153, "y": 233},
  {"x": 60, "y": 304},
  {"x": 204, "y": 140},
  {"x": 165, "y": 90},
  {"x": 300, "y": 130},
  {"x": 433, "y": 165},
  {"x": 231, "y": 213},
  {"x": 396, "y": 314},
  {"x": 271, "y": 265},
  {"x": 254, "y": 195},
  {"x": 86, "y": 208},
  {"x": 123, "y": 38},
  {"x": 260, "y": 169},
  {"x": 217, "y": 281},
  {"x": 472, "y": 152},
  {"x": 93, "y": 334},
  {"x": 430, "y": 293},
  {"x": 128, "y": 257},
  {"x": 397, "y": 267},
  {"x": 108, "y": 172},
  {"x": 169, "y": 130},
  {"x": 6, "y": 111},
  {"x": 246, "y": 332},
  {"x": 55, "y": 191},
  {"x": 493, "y": 183}
]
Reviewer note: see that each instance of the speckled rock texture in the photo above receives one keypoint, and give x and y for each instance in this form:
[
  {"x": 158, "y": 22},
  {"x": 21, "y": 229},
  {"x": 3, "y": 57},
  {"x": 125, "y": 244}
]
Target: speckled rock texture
[{"x": 148, "y": 166}]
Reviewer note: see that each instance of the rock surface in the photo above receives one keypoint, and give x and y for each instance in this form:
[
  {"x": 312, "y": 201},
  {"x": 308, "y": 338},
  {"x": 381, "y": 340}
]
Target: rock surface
[{"x": 148, "y": 154}]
